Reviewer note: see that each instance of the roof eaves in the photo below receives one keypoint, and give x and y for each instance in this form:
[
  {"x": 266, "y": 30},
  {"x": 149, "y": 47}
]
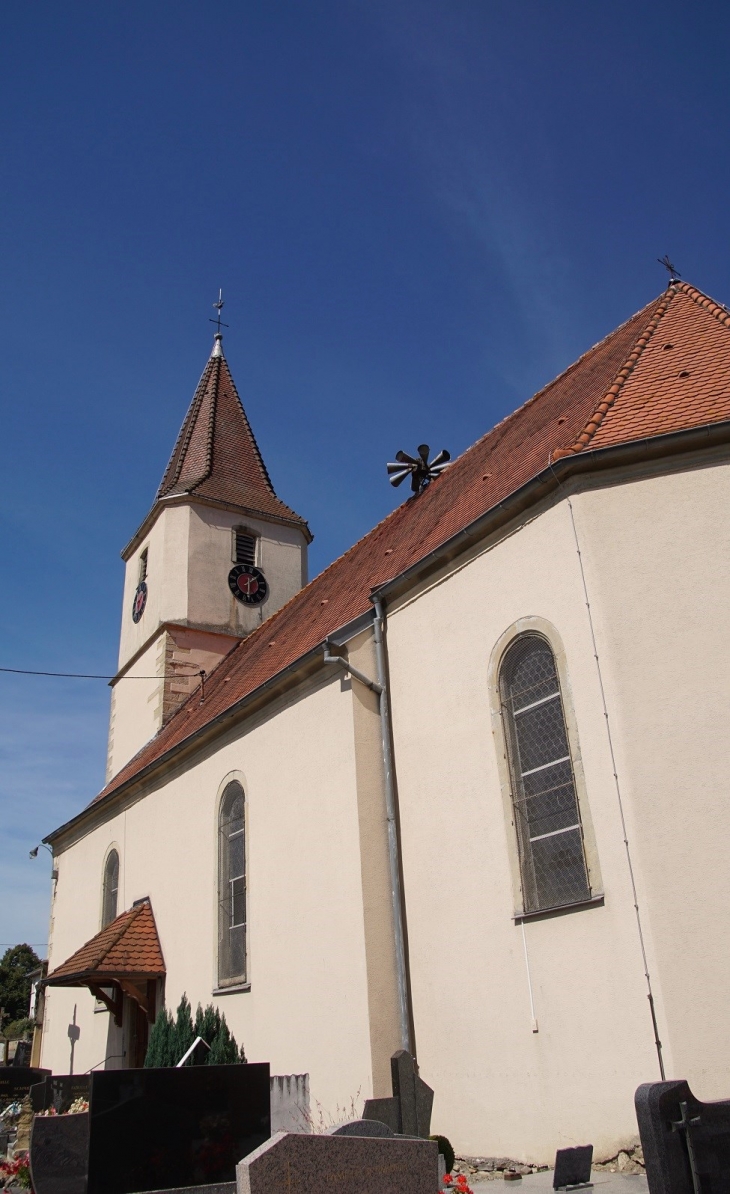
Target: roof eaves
[
  {"x": 191, "y": 742},
  {"x": 553, "y": 477},
  {"x": 510, "y": 506}
]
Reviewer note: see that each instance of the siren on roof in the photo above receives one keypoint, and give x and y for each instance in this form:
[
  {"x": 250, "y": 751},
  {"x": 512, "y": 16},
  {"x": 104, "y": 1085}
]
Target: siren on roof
[{"x": 417, "y": 467}]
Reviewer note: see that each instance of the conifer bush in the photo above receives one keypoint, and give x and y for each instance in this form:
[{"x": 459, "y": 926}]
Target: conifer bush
[{"x": 172, "y": 1036}]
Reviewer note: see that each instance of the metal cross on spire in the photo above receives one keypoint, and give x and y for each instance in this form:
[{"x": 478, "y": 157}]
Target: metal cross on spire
[
  {"x": 219, "y": 305},
  {"x": 671, "y": 269}
]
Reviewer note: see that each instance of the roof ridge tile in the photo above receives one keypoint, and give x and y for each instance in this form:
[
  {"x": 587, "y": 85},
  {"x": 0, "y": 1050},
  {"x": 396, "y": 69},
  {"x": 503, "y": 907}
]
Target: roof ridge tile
[
  {"x": 498, "y": 464},
  {"x": 621, "y": 377},
  {"x": 703, "y": 300},
  {"x": 221, "y": 461}
]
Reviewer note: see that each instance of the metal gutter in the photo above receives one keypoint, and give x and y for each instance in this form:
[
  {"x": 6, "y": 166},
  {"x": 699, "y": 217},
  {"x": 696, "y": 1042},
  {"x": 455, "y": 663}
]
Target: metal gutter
[
  {"x": 551, "y": 478},
  {"x": 193, "y": 740},
  {"x": 339, "y": 661}
]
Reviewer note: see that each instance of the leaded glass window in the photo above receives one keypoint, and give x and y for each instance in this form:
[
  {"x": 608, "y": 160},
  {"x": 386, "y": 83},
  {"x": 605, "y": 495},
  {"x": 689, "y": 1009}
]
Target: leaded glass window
[
  {"x": 232, "y": 887},
  {"x": 110, "y": 888},
  {"x": 546, "y": 812}
]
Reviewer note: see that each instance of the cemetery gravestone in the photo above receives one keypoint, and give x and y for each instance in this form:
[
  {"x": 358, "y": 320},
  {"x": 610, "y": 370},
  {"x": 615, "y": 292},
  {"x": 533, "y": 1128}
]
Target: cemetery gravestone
[
  {"x": 409, "y": 1110},
  {"x": 59, "y": 1092},
  {"x": 341, "y": 1164},
  {"x": 150, "y": 1129},
  {"x": 362, "y": 1127},
  {"x": 16, "y": 1083},
  {"x": 59, "y": 1154},
  {"x": 686, "y": 1143},
  {"x": 22, "y": 1054},
  {"x": 188, "y": 1126},
  {"x": 573, "y": 1167}
]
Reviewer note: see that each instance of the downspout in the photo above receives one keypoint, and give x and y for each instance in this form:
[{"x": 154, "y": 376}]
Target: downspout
[
  {"x": 379, "y": 687},
  {"x": 393, "y": 843}
]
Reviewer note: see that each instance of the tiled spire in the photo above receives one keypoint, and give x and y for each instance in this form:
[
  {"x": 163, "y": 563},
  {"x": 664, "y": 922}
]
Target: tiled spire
[{"x": 216, "y": 455}]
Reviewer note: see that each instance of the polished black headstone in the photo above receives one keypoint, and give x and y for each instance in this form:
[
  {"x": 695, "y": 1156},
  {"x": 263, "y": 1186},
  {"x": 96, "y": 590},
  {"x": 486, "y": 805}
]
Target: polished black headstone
[
  {"x": 573, "y": 1166},
  {"x": 23, "y": 1051},
  {"x": 409, "y": 1110},
  {"x": 59, "y": 1091},
  {"x": 15, "y": 1083},
  {"x": 59, "y": 1154},
  {"x": 679, "y": 1135},
  {"x": 170, "y": 1128}
]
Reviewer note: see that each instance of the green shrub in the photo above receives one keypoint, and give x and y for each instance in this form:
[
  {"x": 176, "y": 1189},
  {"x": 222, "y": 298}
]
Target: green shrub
[
  {"x": 171, "y": 1038},
  {"x": 446, "y": 1150}
]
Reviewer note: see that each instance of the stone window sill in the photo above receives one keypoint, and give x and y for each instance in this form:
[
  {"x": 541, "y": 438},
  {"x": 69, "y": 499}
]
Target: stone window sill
[
  {"x": 234, "y": 989},
  {"x": 595, "y": 901}
]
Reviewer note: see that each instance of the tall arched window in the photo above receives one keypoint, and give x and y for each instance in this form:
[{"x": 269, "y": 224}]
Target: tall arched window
[
  {"x": 231, "y": 887},
  {"x": 546, "y": 812},
  {"x": 110, "y": 888}
]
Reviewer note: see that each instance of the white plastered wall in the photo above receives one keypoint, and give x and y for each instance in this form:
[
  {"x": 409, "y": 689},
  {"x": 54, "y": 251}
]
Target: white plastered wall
[
  {"x": 167, "y": 546},
  {"x": 136, "y": 706},
  {"x": 657, "y": 563},
  {"x": 281, "y": 555},
  {"x": 307, "y": 1009},
  {"x": 656, "y": 566}
]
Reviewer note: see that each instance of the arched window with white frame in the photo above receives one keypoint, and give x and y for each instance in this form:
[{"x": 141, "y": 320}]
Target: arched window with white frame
[
  {"x": 232, "y": 887},
  {"x": 545, "y": 804},
  {"x": 110, "y": 888}
]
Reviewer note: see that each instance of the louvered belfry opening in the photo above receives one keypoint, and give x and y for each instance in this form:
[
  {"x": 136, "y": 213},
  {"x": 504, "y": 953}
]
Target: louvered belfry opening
[
  {"x": 245, "y": 548},
  {"x": 547, "y": 817}
]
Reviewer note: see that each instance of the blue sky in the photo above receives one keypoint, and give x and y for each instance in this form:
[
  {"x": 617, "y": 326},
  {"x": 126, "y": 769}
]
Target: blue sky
[{"x": 419, "y": 211}]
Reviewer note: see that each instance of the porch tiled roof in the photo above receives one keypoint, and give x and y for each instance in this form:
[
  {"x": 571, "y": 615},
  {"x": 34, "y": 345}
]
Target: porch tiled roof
[{"x": 128, "y": 947}]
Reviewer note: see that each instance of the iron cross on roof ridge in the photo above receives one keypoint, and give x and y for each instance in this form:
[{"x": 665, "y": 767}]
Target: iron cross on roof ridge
[
  {"x": 671, "y": 269},
  {"x": 219, "y": 305}
]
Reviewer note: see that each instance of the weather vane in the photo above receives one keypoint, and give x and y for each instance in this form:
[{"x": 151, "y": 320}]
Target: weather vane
[
  {"x": 219, "y": 307},
  {"x": 671, "y": 269}
]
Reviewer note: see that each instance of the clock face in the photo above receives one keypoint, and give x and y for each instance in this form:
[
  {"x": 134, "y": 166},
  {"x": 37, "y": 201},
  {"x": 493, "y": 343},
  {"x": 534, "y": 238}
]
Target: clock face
[
  {"x": 140, "y": 601},
  {"x": 248, "y": 584}
]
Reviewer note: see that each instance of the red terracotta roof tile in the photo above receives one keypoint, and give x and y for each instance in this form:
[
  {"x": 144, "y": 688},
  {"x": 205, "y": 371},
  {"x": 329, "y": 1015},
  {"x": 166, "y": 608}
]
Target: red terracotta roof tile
[
  {"x": 127, "y": 947},
  {"x": 619, "y": 390},
  {"x": 677, "y": 375},
  {"x": 216, "y": 454}
]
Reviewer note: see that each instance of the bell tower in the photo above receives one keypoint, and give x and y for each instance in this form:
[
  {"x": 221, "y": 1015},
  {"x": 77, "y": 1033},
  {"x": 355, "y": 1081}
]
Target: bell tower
[{"x": 217, "y": 554}]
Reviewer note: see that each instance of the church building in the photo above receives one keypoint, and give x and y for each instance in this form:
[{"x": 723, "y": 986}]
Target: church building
[{"x": 464, "y": 793}]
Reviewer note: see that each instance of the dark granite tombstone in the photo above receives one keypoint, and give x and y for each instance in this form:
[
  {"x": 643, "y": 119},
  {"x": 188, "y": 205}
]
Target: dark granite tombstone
[
  {"x": 362, "y": 1127},
  {"x": 59, "y": 1154},
  {"x": 15, "y": 1083},
  {"x": 22, "y": 1054},
  {"x": 150, "y": 1129},
  {"x": 686, "y": 1143},
  {"x": 408, "y": 1112},
  {"x": 59, "y": 1091},
  {"x": 573, "y": 1167},
  {"x": 158, "y": 1129}
]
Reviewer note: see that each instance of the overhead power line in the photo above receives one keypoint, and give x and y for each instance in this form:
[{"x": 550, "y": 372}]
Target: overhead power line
[{"x": 19, "y": 671}]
